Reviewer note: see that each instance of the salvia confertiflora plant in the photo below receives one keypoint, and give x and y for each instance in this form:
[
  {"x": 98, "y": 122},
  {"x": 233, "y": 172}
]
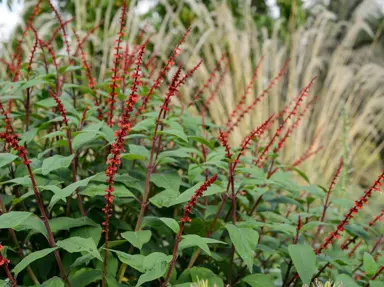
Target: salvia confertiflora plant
[{"x": 118, "y": 182}]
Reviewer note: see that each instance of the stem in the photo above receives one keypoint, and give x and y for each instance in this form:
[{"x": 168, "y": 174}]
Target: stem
[
  {"x": 51, "y": 239},
  {"x": 375, "y": 276},
  {"x": 174, "y": 254},
  {"x": 16, "y": 242}
]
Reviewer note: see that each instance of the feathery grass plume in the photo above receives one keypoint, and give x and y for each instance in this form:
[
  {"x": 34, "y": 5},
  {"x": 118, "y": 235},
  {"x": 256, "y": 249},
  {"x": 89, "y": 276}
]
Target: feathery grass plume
[
  {"x": 304, "y": 93},
  {"x": 12, "y": 139},
  {"x": 232, "y": 123},
  {"x": 4, "y": 263},
  {"x": 247, "y": 90},
  {"x": 326, "y": 202},
  {"x": 168, "y": 65},
  {"x": 359, "y": 204},
  {"x": 209, "y": 81},
  {"x": 125, "y": 125},
  {"x": 115, "y": 78},
  {"x": 187, "y": 211},
  {"x": 62, "y": 27}
]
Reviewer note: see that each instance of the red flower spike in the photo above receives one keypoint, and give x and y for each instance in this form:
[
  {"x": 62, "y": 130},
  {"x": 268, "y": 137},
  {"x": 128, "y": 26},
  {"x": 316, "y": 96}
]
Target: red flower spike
[
  {"x": 116, "y": 66},
  {"x": 118, "y": 145},
  {"x": 62, "y": 26},
  {"x": 292, "y": 127},
  {"x": 354, "y": 210},
  {"x": 377, "y": 218},
  {"x": 247, "y": 90},
  {"x": 209, "y": 81},
  {"x": 303, "y": 94},
  {"x": 257, "y": 132},
  {"x": 90, "y": 32},
  {"x": 188, "y": 75},
  {"x": 4, "y": 263},
  {"x": 57, "y": 31},
  {"x": 34, "y": 47},
  {"x": 232, "y": 123},
  {"x": 224, "y": 142},
  {"x": 170, "y": 62}
]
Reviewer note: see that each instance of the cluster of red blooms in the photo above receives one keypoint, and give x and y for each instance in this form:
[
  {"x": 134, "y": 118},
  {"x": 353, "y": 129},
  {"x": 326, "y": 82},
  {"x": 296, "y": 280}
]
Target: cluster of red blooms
[
  {"x": 91, "y": 80},
  {"x": 292, "y": 127},
  {"x": 168, "y": 65},
  {"x": 232, "y": 124},
  {"x": 223, "y": 137},
  {"x": 188, "y": 74},
  {"x": 62, "y": 26},
  {"x": 60, "y": 106},
  {"x": 247, "y": 90},
  {"x": 192, "y": 202},
  {"x": 115, "y": 78},
  {"x": 4, "y": 263},
  {"x": 33, "y": 51},
  {"x": 209, "y": 81},
  {"x": 257, "y": 132},
  {"x": 303, "y": 94},
  {"x": 354, "y": 210},
  {"x": 120, "y": 134},
  {"x": 377, "y": 218},
  {"x": 11, "y": 138}
]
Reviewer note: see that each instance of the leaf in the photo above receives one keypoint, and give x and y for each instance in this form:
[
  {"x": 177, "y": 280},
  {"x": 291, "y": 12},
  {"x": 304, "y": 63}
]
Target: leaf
[
  {"x": 135, "y": 261},
  {"x": 99, "y": 190},
  {"x": 136, "y": 152},
  {"x": 61, "y": 194},
  {"x": 6, "y": 158},
  {"x": 164, "y": 198},
  {"x": 167, "y": 180},
  {"x": 66, "y": 223},
  {"x": 84, "y": 277},
  {"x": 55, "y": 162},
  {"x": 312, "y": 224},
  {"x": 155, "y": 265},
  {"x": 171, "y": 223},
  {"x": 137, "y": 238},
  {"x": 304, "y": 260},
  {"x": 200, "y": 273},
  {"x": 13, "y": 218},
  {"x": 186, "y": 195},
  {"x": 346, "y": 280},
  {"x": 79, "y": 244},
  {"x": 83, "y": 138},
  {"x": 195, "y": 240},
  {"x": 258, "y": 280},
  {"x": 369, "y": 264},
  {"x": 245, "y": 241},
  {"x": 177, "y": 133},
  {"x": 27, "y": 260},
  {"x": 53, "y": 282}
]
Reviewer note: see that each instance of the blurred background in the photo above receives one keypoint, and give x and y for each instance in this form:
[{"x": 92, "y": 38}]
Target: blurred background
[{"x": 339, "y": 41}]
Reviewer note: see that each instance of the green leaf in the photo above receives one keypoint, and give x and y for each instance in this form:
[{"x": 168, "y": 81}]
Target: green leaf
[
  {"x": 66, "y": 223},
  {"x": 137, "y": 238},
  {"x": 304, "y": 260},
  {"x": 369, "y": 264},
  {"x": 376, "y": 283},
  {"x": 258, "y": 280},
  {"x": 6, "y": 158},
  {"x": 171, "y": 223},
  {"x": 155, "y": 265},
  {"x": 191, "y": 240},
  {"x": 99, "y": 190},
  {"x": 55, "y": 162},
  {"x": 85, "y": 276},
  {"x": 177, "y": 133},
  {"x": 53, "y": 282},
  {"x": 164, "y": 198},
  {"x": 83, "y": 138},
  {"x": 167, "y": 180},
  {"x": 135, "y": 261},
  {"x": 61, "y": 194},
  {"x": 13, "y": 218},
  {"x": 79, "y": 244},
  {"x": 346, "y": 281},
  {"x": 186, "y": 195},
  {"x": 245, "y": 241},
  {"x": 136, "y": 152},
  {"x": 313, "y": 224},
  {"x": 27, "y": 260},
  {"x": 200, "y": 273}
]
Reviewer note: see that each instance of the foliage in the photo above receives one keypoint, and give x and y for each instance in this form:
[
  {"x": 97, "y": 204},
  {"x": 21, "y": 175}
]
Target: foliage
[{"x": 117, "y": 180}]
